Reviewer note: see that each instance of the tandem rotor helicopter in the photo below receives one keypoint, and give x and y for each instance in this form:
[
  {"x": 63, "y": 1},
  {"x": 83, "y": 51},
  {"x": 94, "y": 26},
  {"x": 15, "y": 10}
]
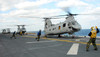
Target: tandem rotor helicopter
[
  {"x": 70, "y": 25},
  {"x": 6, "y": 31},
  {"x": 21, "y": 30}
]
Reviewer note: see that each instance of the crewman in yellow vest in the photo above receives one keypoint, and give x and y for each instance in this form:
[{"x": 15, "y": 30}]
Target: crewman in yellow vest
[
  {"x": 92, "y": 40},
  {"x": 21, "y": 33}
]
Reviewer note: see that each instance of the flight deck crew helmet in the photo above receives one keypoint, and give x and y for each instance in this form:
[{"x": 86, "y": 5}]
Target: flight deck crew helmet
[{"x": 92, "y": 28}]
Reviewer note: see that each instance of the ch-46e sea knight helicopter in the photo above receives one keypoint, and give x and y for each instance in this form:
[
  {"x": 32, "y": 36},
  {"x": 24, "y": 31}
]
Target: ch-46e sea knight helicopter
[
  {"x": 6, "y": 31},
  {"x": 70, "y": 25},
  {"x": 23, "y": 29}
]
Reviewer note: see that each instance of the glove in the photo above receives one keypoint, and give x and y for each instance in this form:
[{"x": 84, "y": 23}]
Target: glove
[{"x": 96, "y": 27}]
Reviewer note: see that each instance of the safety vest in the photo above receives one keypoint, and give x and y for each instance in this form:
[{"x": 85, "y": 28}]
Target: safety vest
[
  {"x": 93, "y": 34},
  {"x": 20, "y": 33}
]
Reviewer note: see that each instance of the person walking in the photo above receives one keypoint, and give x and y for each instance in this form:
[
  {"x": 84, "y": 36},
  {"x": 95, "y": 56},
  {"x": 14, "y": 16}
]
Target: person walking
[
  {"x": 38, "y": 34},
  {"x": 14, "y": 33},
  {"x": 92, "y": 40}
]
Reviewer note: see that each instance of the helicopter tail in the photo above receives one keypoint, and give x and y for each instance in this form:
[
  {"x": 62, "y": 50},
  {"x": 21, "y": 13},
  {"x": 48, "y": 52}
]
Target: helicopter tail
[{"x": 48, "y": 23}]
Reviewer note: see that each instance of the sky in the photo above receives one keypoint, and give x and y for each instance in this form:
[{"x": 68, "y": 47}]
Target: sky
[{"x": 12, "y": 12}]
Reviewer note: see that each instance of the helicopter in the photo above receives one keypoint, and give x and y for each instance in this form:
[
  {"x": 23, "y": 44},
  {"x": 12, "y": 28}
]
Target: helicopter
[
  {"x": 19, "y": 30},
  {"x": 3, "y": 31},
  {"x": 70, "y": 25},
  {"x": 6, "y": 31}
]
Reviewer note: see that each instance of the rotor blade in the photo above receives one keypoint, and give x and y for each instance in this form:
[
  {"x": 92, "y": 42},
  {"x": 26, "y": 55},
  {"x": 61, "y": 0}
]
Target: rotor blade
[
  {"x": 75, "y": 15},
  {"x": 87, "y": 14},
  {"x": 39, "y": 17},
  {"x": 29, "y": 17},
  {"x": 90, "y": 14},
  {"x": 50, "y": 18},
  {"x": 60, "y": 15},
  {"x": 63, "y": 15}
]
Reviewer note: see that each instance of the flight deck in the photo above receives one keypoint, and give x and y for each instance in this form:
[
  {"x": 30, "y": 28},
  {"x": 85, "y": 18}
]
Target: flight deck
[{"x": 28, "y": 46}]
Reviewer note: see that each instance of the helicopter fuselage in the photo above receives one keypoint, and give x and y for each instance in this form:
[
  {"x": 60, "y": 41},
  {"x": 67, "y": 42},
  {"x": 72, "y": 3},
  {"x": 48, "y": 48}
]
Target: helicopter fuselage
[{"x": 70, "y": 25}]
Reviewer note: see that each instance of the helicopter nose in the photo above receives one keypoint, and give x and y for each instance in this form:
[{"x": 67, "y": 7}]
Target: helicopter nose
[{"x": 76, "y": 27}]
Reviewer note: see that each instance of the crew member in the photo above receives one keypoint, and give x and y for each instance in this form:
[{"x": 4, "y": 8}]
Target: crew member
[
  {"x": 38, "y": 34},
  {"x": 14, "y": 33},
  {"x": 20, "y": 32},
  {"x": 92, "y": 40}
]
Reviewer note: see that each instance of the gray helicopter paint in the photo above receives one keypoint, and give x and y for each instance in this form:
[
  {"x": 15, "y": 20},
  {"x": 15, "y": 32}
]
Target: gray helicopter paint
[{"x": 71, "y": 26}]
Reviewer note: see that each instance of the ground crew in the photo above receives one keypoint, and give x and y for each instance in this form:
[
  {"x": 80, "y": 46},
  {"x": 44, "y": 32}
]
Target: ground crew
[
  {"x": 21, "y": 33},
  {"x": 38, "y": 34},
  {"x": 92, "y": 40},
  {"x": 14, "y": 33}
]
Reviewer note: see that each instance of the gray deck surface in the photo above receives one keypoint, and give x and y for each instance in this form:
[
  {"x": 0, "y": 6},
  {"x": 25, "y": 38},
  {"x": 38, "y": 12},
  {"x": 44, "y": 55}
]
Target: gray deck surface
[{"x": 50, "y": 47}]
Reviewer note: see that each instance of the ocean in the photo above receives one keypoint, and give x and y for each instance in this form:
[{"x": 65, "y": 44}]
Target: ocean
[{"x": 82, "y": 32}]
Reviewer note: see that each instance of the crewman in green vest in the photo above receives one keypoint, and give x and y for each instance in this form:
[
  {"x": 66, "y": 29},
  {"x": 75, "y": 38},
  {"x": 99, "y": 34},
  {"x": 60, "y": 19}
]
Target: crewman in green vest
[{"x": 92, "y": 40}]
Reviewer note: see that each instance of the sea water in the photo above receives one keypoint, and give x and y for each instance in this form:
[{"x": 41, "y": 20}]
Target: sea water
[{"x": 82, "y": 32}]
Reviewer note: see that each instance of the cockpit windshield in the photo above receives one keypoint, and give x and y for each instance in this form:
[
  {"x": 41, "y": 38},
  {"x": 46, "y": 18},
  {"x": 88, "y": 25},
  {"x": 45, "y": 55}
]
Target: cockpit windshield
[{"x": 74, "y": 22}]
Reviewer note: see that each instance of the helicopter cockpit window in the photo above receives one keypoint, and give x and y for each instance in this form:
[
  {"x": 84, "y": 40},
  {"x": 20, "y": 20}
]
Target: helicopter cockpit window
[
  {"x": 64, "y": 24},
  {"x": 73, "y": 23}
]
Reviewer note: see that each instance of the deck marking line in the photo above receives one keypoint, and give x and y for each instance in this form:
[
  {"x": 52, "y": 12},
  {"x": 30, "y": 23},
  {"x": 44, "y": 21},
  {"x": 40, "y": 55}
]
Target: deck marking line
[
  {"x": 41, "y": 41},
  {"x": 74, "y": 49},
  {"x": 44, "y": 47},
  {"x": 61, "y": 40}
]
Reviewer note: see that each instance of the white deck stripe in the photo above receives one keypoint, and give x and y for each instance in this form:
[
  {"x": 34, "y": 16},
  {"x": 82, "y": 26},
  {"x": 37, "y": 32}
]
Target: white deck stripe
[
  {"x": 77, "y": 39},
  {"x": 44, "y": 47},
  {"x": 41, "y": 41},
  {"x": 74, "y": 49}
]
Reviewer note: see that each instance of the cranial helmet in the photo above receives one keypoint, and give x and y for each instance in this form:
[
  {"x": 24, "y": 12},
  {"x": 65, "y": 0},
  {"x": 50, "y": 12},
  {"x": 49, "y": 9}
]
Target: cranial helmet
[{"x": 92, "y": 28}]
